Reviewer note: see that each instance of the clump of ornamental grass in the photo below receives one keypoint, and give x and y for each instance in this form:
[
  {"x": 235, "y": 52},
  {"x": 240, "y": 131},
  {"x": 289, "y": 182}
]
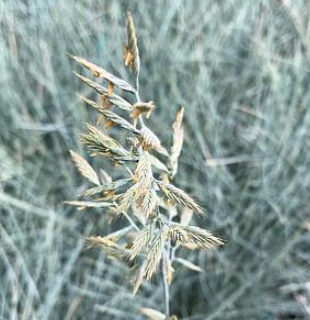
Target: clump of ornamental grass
[{"x": 158, "y": 211}]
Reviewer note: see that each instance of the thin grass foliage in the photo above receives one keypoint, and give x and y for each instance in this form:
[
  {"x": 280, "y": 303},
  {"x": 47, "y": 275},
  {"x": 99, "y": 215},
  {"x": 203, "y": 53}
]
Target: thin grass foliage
[{"x": 241, "y": 71}]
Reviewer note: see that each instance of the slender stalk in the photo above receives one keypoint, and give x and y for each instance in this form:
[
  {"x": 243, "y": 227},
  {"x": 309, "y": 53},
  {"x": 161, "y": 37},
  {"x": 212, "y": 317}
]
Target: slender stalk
[
  {"x": 166, "y": 292},
  {"x": 132, "y": 223},
  {"x": 138, "y": 96},
  {"x": 165, "y": 284},
  {"x": 137, "y": 86}
]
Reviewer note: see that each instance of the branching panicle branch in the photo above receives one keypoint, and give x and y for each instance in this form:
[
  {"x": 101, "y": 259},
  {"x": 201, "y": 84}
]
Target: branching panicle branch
[{"x": 140, "y": 196}]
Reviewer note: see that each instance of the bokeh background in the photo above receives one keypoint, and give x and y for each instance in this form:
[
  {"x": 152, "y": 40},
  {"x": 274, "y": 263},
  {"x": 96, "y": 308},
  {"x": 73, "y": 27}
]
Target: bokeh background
[{"x": 241, "y": 69}]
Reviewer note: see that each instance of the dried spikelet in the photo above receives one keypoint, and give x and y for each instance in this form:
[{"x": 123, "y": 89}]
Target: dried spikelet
[
  {"x": 105, "y": 241},
  {"x": 201, "y": 238},
  {"x": 150, "y": 140},
  {"x": 85, "y": 168},
  {"x": 153, "y": 257},
  {"x": 139, "y": 278},
  {"x": 90, "y": 102},
  {"x": 93, "y": 85},
  {"x": 99, "y": 143},
  {"x": 177, "y": 143},
  {"x": 141, "y": 241},
  {"x": 127, "y": 199},
  {"x": 142, "y": 107},
  {"x": 112, "y": 117},
  {"x": 119, "y": 102},
  {"x": 99, "y": 108},
  {"x": 131, "y": 55},
  {"x": 110, "y": 196},
  {"x": 107, "y": 99},
  {"x": 147, "y": 198},
  {"x": 149, "y": 202},
  {"x": 177, "y": 195},
  {"x": 106, "y": 187},
  {"x": 143, "y": 171},
  {"x": 96, "y": 71},
  {"x": 109, "y": 247},
  {"x": 116, "y": 119},
  {"x": 101, "y": 73}
]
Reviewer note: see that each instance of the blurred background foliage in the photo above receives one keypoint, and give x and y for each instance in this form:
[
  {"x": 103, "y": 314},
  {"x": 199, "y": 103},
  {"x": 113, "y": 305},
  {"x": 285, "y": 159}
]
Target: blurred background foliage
[{"x": 241, "y": 69}]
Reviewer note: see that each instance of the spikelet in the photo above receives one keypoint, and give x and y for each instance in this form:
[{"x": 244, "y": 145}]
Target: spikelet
[
  {"x": 153, "y": 257},
  {"x": 101, "y": 73},
  {"x": 177, "y": 143},
  {"x": 85, "y": 168},
  {"x": 139, "y": 278},
  {"x": 151, "y": 263},
  {"x": 117, "y": 120},
  {"x": 200, "y": 238},
  {"x": 150, "y": 140},
  {"x": 118, "y": 101},
  {"x": 127, "y": 199},
  {"x": 109, "y": 99},
  {"x": 141, "y": 241},
  {"x": 177, "y": 195},
  {"x": 147, "y": 199},
  {"x": 91, "y": 103},
  {"x": 112, "y": 117},
  {"x": 93, "y": 191},
  {"x": 96, "y": 71},
  {"x": 131, "y": 54},
  {"x": 143, "y": 171},
  {"x": 106, "y": 187},
  {"x": 109, "y": 247},
  {"x": 149, "y": 202},
  {"x": 93, "y": 85},
  {"x": 142, "y": 107},
  {"x": 105, "y": 104},
  {"x": 99, "y": 143}
]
